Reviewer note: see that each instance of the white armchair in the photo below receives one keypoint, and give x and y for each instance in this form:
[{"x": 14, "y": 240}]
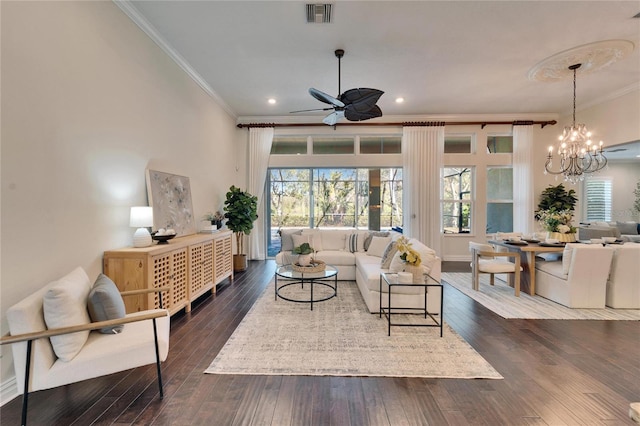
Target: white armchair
[
  {"x": 623, "y": 285},
  {"x": 488, "y": 261},
  {"x": 46, "y": 356},
  {"x": 579, "y": 280}
]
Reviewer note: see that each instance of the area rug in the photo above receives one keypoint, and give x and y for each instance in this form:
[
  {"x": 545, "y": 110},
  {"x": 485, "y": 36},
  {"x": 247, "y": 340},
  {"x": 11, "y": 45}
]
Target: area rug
[
  {"x": 500, "y": 299},
  {"x": 341, "y": 338}
]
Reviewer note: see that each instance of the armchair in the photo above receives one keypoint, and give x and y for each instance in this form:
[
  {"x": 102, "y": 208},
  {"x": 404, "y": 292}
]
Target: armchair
[
  {"x": 484, "y": 259},
  {"x": 39, "y": 364}
]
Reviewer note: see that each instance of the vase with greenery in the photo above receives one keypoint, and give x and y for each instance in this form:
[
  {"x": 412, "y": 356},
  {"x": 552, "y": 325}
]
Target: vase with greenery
[
  {"x": 304, "y": 252},
  {"x": 215, "y": 218},
  {"x": 555, "y": 212},
  {"x": 241, "y": 210}
]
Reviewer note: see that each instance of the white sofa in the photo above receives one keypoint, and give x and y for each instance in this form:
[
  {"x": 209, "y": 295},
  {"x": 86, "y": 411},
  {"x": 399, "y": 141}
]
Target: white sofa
[
  {"x": 625, "y": 231},
  {"x": 579, "y": 279},
  {"x": 623, "y": 285},
  {"x": 345, "y": 249},
  {"x": 81, "y": 351}
]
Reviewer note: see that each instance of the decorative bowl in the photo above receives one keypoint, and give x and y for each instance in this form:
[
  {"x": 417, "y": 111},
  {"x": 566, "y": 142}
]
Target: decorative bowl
[{"x": 162, "y": 239}]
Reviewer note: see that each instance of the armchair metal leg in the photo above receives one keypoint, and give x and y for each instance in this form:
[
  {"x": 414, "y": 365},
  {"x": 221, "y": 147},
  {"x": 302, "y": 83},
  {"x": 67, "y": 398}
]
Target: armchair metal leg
[
  {"x": 25, "y": 395},
  {"x": 155, "y": 339}
]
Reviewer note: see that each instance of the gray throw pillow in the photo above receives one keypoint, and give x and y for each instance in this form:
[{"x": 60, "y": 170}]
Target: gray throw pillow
[
  {"x": 389, "y": 252},
  {"x": 372, "y": 234},
  {"x": 627, "y": 228},
  {"x": 105, "y": 303}
]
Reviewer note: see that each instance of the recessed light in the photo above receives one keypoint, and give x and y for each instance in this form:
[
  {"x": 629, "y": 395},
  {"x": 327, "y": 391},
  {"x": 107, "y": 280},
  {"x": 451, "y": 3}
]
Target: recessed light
[
  {"x": 399, "y": 100},
  {"x": 271, "y": 101}
]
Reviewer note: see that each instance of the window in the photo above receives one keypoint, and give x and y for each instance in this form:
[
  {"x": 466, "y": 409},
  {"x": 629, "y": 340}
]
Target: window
[
  {"x": 344, "y": 145},
  {"x": 499, "y": 199},
  {"x": 597, "y": 193},
  {"x": 500, "y": 144},
  {"x": 457, "y": 144},
  {"x": 456, "y": 200},
  {"x": 289, "y": 145},
  {"x": 366, "y": 198},
  {"x": 380, "y": 145}
]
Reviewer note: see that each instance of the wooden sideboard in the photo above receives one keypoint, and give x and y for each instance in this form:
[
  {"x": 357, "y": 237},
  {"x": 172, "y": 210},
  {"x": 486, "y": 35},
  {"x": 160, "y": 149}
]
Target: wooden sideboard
[{"x": 190, "y": 266}]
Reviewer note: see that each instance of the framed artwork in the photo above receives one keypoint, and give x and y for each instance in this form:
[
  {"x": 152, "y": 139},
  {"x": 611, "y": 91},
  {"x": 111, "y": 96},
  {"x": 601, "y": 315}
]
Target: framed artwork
[{"x": 170, "y": 197}]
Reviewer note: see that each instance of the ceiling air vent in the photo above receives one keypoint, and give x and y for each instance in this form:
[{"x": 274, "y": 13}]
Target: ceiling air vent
[{"x": 319, "y": 13}]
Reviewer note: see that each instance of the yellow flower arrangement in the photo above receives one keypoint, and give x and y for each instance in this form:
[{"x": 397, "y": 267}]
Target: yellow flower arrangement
[{"x": 407, "y": 253}]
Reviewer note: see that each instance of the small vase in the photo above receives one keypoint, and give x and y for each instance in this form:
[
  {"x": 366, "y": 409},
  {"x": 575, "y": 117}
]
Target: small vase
[
  {"x": 417, "y": 271},
  {"x": 563, "y": 238},
  {"x": 304, "y": 259}
]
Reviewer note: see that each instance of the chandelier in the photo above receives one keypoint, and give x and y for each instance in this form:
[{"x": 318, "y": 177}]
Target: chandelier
[{"x": 577, "y": 153}]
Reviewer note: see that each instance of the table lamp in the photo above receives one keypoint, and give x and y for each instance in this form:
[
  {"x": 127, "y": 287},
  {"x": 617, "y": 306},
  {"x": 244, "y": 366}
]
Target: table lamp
[{"x": 141, "y": 218}]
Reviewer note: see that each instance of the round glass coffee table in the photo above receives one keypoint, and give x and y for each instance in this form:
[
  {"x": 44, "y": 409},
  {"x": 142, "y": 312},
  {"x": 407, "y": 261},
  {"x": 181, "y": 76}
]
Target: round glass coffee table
[{"x": 290, "y": 277}]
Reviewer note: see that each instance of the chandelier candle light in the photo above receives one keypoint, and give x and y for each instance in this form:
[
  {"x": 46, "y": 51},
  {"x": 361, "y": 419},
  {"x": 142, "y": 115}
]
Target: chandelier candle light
[{"x": 578, "y": 154}]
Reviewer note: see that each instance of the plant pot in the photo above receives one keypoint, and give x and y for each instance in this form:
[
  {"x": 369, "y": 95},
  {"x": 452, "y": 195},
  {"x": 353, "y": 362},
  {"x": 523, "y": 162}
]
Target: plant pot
[
  {"x": 304, "y": 259},
  {"x": 563, "y": 238},
  {"x": 240, "y": 263}
]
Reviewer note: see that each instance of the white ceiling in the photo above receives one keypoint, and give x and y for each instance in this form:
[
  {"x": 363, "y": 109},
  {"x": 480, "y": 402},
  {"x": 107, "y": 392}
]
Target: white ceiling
[{"x": 443, "y": 57}]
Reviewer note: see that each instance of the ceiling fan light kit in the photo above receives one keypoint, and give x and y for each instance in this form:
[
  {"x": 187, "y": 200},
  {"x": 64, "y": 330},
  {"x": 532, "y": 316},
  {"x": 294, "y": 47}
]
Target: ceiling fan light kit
[{"x": 354, "y": 104}]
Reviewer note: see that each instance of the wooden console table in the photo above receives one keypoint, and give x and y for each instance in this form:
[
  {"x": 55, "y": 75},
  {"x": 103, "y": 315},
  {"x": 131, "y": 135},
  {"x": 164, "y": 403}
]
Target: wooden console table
[{"x": 190, "y": 266}]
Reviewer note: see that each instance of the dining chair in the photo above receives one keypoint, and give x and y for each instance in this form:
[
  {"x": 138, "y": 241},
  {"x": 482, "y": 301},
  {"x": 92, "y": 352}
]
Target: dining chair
[{"x": 486, "y": 260}]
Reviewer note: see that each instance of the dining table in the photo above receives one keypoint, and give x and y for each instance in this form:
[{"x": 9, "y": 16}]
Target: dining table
[{"x": 528, "y": 251}]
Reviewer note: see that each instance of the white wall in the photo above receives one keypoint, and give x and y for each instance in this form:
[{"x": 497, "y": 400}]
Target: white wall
[{"x": 88, "y": 102}]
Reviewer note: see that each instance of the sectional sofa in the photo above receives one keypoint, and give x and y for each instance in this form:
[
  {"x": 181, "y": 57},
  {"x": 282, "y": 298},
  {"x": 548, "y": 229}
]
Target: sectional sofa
[{"x": 361, "y": 256}]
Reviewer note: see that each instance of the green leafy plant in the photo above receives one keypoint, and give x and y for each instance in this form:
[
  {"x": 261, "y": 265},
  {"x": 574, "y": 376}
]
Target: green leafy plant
[
  {"x": 303, "y": 248},
  {"x": 557, "y": 199},
  {"x": 241, "y": 210}
]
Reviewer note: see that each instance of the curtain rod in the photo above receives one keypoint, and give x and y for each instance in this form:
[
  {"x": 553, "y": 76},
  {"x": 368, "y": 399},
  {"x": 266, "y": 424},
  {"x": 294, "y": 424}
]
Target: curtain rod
[{"x": 482, "y": 124}]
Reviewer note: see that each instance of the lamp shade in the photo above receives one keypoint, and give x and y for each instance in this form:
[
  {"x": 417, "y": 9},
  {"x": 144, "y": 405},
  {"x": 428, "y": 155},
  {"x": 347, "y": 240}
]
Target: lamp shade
[{"x": 141, "y": 217}]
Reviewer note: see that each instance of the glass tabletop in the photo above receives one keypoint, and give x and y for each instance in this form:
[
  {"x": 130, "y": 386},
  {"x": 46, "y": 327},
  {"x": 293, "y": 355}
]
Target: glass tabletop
[
  {"x": 286, "y": 271},
  {"x": 392, "y": 278}
]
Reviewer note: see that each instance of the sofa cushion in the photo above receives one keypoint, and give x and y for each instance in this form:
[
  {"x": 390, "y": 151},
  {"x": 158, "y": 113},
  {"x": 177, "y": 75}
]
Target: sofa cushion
[
  {"x": 378, "y": 246},
  {"x": 285, "y": 238},
  {"x": 65, "y": 305},
  {"x": 388, "y": 254},
  {"x": 105, "y": 303},
  {"x": 333, "y": 239},
  {"x": 368, "y": 238},
  {"x": 627, "y": 228},
  {"x": 354, "y": 242},
  {"x": 314, "y": 240},
  {"x": 427, "y": 255},
  {"x": 314, "y": 237},
  {"x": 336, "y": 258}
]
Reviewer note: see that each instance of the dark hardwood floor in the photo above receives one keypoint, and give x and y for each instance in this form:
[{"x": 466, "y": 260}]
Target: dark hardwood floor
[{"x": 555, "y": 373}]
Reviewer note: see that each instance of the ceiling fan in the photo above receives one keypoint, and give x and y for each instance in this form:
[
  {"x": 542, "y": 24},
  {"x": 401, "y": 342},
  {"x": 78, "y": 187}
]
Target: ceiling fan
[{"x": 354, "y": 104}]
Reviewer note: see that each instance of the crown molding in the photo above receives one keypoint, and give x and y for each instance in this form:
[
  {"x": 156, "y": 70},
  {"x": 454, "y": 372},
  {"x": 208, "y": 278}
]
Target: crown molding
[{"x": 133, "y": 14}]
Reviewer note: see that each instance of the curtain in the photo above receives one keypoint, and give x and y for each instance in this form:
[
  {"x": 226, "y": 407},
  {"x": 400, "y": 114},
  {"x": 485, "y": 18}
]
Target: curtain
[
  {"x": 523, "y": 197},
  {"x": 422, "y": 160},
  {"x": 260, "y": 140}
]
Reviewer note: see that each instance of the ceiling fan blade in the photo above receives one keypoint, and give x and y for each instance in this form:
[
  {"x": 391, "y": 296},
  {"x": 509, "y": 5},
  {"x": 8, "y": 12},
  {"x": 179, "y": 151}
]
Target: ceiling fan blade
[
  {"x": 323, "y": 97},
  {"x": 354, "y": 115},
  {"x": 333, "y": 118},
  {"x": 362, "y": 98},
  {"x": 309, "y": 110}
]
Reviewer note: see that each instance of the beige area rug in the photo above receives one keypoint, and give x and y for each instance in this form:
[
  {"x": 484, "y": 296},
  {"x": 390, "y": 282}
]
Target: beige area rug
[
  {"x": 341, "y": 338},
  {"x": 500, "y": 299}
]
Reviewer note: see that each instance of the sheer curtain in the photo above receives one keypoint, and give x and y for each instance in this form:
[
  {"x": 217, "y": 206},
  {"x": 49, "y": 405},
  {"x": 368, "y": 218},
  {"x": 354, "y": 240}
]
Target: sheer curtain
[
  {"x": 422, "y": 159},
  {"x": 260, "y": 140},
  {"x": 523, "y": 199}
]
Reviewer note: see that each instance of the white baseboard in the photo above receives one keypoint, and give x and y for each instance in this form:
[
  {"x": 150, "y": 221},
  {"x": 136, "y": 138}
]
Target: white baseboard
[{"x": 8, "y": 391}]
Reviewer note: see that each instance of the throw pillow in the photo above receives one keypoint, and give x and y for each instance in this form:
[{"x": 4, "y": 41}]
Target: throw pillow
[
  {"x": 352, "y": 243},
  {"x": 628, "y": 228},
  {"x": 378, "y": 246},
  {"x": 396, "y": 265},
  {"x": 316, "y": 238},
  {"x": 367, "y": 240},
  {"x": 65, "y": 305},
  {"x": 313, "y": 239},
  {"x": 285, "y": 238},
  {"x": 388, "y": 254},
  {"x": 105, "y": 303}
]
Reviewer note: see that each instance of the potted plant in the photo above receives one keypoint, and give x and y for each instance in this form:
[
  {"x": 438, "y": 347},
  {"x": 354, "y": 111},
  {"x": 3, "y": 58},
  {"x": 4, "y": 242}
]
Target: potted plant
[
  {"x": 304, "y": 252},
  {"x": 215, "y": 218},
  {"x": 241, "y": 210},
  {"x": 555, "y": 212}
]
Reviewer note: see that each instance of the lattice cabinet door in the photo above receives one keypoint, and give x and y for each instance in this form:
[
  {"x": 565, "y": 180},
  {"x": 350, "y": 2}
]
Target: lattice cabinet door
[
  {"x": 200, "y": 269},
  {"x": 179, "y": 279},
  {"x": 161, "y": 273},
  {"x": 223, "y": 258}
]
